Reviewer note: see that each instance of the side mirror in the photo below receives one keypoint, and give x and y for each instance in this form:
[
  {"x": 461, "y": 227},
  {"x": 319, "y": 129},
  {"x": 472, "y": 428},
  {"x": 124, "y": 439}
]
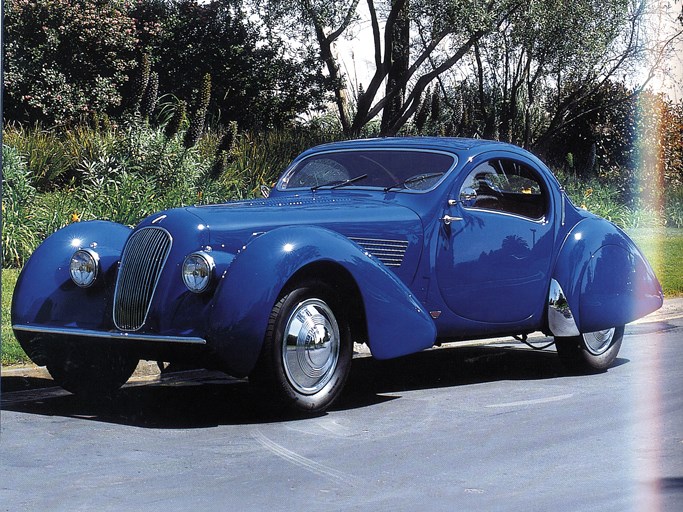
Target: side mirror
[{"x": 468, "y": 196}]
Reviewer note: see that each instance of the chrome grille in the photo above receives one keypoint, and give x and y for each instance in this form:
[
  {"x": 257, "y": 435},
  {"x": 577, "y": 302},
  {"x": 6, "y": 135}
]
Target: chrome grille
[
  {"x": 389, "y": 252},
  {"x": 141, "y": 264}
]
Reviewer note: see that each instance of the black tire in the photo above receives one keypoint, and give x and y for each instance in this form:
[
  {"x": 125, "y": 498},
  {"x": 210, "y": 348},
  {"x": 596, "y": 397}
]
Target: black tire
[
  {"x": 591, "y": 352},
  {"x": 307, "y": 351},
  {"x": 93, "y": 371}
]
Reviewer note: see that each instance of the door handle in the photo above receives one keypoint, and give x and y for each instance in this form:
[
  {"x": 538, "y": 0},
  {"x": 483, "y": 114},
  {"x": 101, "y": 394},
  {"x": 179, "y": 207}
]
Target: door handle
[{"x": 447, "y": 219}]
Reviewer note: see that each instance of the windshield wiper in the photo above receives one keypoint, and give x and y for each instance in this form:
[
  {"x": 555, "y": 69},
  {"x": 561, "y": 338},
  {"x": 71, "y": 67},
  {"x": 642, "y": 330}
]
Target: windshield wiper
[
  {"x": 414, "y": 179},
  {"x": 339, "y": 184}
]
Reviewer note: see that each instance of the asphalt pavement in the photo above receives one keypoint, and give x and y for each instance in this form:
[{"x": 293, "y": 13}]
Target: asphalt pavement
[{"x": 477, "y": 429}]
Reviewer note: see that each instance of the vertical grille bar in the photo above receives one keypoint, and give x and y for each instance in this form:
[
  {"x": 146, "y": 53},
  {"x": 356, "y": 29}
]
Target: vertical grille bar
[{"x": 143, "y": 259}]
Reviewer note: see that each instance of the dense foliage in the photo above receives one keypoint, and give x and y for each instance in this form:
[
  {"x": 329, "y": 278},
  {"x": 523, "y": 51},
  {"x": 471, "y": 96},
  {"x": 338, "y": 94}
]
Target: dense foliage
[
  {"x": 126, "y": 173},
  {"x": 69, "y": 59},
  {"x": 253, "y": 81},
  {"x": 65, "y": 58}
]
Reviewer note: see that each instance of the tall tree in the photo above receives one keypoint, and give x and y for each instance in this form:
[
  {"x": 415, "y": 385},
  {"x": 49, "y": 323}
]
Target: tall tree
[
  {"x": 444, "y": 32},
  {"x": 253, "y": 81},
  {"x": 397, "y": 83},
  {"x": 553, "y": 63}
]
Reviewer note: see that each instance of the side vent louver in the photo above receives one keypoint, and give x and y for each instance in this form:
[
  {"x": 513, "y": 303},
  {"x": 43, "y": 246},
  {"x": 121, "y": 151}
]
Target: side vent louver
[{"x": 389, "y": 252}]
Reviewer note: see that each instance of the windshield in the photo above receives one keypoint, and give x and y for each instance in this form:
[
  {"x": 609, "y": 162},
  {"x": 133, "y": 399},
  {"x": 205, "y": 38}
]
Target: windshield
[{"x": 385, "y": 169}]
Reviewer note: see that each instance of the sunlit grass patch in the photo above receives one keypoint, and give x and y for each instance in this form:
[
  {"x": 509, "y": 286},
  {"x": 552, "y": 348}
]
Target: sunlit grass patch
[
  {"x": 12, "y": 352},
  {"x": 663, "y": 248}
]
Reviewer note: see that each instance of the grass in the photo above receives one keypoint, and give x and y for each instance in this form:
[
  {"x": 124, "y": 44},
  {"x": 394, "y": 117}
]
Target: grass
[
  {"x": 663, "y": 248},
  {"x": 11, "y": 351}
]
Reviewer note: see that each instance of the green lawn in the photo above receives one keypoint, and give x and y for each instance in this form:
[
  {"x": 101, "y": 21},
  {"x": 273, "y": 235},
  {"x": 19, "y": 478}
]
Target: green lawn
[
  {"x": 663, "y": 248},
  {"x": 11, "y": 351}
]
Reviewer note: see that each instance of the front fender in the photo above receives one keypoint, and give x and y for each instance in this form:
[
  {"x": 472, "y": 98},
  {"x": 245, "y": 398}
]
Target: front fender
[
  {"x": 606, "y": 279},
  {"x": 397, "y": 324},
  {"x": 45, "y": 295}
]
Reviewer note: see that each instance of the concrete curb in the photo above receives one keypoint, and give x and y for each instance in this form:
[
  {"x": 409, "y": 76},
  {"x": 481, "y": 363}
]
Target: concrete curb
[
  {"x": 150, "y": 371},
  {"x": 670, "y": 310}
]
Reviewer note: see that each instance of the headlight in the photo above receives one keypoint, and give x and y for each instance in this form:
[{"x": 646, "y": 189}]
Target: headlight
[
  {"x": 198, "y": 270},
  {"x": 84, "y": 267}
]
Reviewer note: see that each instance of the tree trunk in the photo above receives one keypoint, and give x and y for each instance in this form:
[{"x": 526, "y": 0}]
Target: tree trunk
[{"x": 398, "y": 67}]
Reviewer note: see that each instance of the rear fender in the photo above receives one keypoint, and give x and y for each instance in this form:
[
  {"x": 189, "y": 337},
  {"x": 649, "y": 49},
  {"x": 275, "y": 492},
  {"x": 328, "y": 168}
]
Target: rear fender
[
  {"x": 604, "y": 277},
  {"x": 397, "y": 324}
]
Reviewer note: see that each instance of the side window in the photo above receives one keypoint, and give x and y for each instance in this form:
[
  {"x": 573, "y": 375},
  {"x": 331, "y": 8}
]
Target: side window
[{"x": 506, "y": 186}]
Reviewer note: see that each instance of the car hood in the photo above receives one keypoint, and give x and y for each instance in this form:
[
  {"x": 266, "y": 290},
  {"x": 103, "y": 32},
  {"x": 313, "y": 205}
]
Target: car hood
[{"x": 228, "y": 227}]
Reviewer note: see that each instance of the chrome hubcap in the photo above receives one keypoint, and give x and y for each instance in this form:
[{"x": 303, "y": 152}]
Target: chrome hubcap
[
  {"x": 311, "y": 346},
  {"x": 598, "y": 342}
]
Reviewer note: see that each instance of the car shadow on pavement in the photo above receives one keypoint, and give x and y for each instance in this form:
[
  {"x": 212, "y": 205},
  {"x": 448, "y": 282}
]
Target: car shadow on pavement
[
  {"x": 201, "y": 399},
  {"x": 449, "y": 367}
]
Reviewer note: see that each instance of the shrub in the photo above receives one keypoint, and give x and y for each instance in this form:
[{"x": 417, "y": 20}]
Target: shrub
[
  {"x": 147, "y": 151},
  {"x": 597, "y": 197},
  {"x": 52, "y": 157},
  {"x": 53, "y": 178},
  {"x": 256, "y": 81},
  {"x": 65, "y": 58},
  {"x": 175, "y": 114},
  {"x": 258, "y": 159},
  {"x": 112, "y": 193},
  {"x": 19, "y": 227},
  {"x": 674, "y": 207},
  {"x": 196, "y": 129}
]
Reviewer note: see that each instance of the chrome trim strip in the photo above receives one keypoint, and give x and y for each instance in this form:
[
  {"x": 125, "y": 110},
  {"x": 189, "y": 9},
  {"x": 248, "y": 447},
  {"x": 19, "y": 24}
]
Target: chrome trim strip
[
  {"x": 192, "y": 340},
  {"x": 560, "y": 317},
  {"x": 389, "y": 252},
  {"x": 378, "y": 240},
  {"x": 540, "y": 220},
  {"x": 563, "y": 200}
]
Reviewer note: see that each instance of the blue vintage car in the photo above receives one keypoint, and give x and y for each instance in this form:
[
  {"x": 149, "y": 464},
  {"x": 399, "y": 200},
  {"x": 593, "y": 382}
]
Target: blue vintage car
[{"x": 399, "y": 243}]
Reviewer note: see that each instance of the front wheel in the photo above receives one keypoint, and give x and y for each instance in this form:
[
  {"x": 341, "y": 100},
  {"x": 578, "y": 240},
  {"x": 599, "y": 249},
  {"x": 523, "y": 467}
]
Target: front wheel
[
  {"x": 307, "y": 351},
  {"x": 91, "y": 371},
  {"x": 590, "y": 352}
]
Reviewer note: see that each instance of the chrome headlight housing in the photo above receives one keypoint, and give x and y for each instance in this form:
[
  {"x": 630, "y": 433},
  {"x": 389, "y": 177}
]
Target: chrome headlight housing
[
  {"x": 84, "y": 267},
  {"x": 198, "y": 271}
]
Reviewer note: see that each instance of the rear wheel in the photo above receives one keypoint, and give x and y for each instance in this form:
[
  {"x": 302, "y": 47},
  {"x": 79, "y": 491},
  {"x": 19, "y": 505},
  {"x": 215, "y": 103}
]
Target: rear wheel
[
  {"x": 307, "y": 351},
  {"x": 590, "y": 352},
  {"x": 91, "y": 371}
]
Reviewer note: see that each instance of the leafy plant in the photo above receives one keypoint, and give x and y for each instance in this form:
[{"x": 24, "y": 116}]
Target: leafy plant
[
  {"x": 19, "y": 235},
  {"x": 196, "y": 128},
  {"x": 674, "y": 207},
  {"x": 596, "y": 197},
  {"x": 52, "y": 157},
  {"x": 43, "y": 152}
]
